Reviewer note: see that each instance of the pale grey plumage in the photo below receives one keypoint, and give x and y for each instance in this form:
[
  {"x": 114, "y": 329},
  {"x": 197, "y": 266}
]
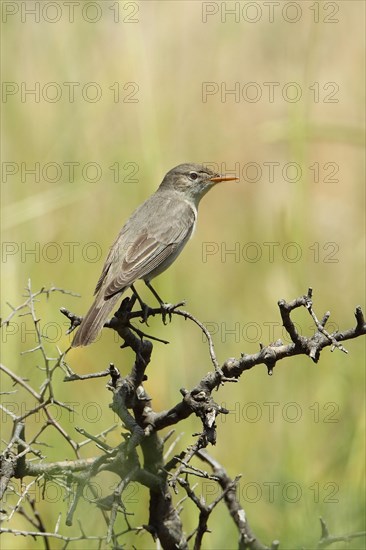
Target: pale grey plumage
[{"x": 149, "y": 242}]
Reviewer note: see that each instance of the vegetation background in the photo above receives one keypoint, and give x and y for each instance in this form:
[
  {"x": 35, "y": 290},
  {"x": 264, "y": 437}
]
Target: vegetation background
[{"x": 307, "y": 458}]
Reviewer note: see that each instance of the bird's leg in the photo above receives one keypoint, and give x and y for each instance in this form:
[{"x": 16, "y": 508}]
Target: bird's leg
[
  {"x": 144, "y": 307},
  {"x": 149, "y": 286},
  {"x": 166, "y": 308}
]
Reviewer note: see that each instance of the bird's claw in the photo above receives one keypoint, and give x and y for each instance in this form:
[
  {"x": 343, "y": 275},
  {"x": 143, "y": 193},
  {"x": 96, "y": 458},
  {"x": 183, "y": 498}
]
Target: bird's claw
[
  {"x": 166, "y": 309},
  {"x": 146, "y": 311}
]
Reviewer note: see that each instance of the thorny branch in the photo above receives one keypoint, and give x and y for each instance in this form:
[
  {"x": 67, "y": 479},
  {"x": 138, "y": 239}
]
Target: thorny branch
[{"x": 133, "y": 406}]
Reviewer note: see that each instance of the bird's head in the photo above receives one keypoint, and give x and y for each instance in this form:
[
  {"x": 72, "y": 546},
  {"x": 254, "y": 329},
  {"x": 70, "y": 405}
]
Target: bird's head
[{"x": 192, "y": 180}]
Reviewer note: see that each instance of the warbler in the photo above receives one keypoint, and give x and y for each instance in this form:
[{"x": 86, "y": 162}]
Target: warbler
[{"x": 149, "y": 242}]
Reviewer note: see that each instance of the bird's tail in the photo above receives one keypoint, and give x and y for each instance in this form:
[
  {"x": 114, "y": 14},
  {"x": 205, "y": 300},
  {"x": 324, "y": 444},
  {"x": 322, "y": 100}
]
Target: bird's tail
[{"x": 94, "y": 320}]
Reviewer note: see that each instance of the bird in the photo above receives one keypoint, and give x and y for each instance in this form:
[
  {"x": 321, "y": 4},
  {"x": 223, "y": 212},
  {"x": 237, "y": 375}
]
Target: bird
[{"x": 149, "y": 242}]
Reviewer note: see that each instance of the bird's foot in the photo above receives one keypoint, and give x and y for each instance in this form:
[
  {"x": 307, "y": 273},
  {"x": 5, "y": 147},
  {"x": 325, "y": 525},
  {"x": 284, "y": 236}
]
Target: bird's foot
[
  {"x": 168, "y": 309},
  {"x": 146, "y": 312}
]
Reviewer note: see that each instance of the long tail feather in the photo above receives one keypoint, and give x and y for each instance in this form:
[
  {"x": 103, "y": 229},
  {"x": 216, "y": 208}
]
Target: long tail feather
[{"x": 94, "y": 320}]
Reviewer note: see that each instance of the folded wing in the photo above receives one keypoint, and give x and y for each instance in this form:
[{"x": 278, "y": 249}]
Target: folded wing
[{"x": 144, "y": 251}]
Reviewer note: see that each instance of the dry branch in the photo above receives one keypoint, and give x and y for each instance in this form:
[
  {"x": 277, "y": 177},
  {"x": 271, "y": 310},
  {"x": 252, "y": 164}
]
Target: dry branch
[{"x": 134, "y": 408}]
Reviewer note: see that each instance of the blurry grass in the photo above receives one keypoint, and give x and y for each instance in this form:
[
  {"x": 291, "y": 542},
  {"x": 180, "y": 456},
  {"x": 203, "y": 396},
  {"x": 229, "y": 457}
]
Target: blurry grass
[
  {"x": 33, "y": 207},
  {"x": 169, "y": 125}
]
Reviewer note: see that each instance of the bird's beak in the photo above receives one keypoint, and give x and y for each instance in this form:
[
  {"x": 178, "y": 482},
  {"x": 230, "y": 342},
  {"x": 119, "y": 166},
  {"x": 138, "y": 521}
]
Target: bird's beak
[{"x": 217, "y": 178}]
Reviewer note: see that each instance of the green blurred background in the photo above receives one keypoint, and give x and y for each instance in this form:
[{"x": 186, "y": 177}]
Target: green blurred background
[{"x": 307, "y": 458}]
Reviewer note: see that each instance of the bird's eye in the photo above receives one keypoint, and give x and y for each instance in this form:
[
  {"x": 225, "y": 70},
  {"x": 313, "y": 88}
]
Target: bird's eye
[{"x": 193, "y": 175}]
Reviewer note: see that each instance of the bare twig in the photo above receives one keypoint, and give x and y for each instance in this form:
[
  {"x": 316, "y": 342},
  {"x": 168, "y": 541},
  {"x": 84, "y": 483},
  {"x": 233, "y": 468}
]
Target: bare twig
[{"x": 327, "y": 539}]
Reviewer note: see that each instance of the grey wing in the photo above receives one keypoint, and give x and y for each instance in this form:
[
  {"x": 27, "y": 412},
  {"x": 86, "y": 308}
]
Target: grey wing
[{"x": 143, "y": 251}]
